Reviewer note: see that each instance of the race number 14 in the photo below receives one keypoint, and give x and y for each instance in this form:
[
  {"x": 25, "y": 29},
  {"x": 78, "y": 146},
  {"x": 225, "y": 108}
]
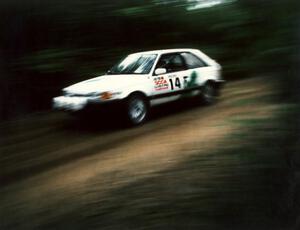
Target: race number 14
[{"x": 175, "y": 82}]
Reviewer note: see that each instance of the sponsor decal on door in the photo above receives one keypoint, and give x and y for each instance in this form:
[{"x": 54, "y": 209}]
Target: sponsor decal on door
[{"x": 160, "y": 83}]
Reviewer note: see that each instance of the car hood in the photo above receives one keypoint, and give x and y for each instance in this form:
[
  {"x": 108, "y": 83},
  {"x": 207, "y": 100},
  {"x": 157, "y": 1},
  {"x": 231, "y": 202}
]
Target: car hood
[{"x": 102, "y": 83}]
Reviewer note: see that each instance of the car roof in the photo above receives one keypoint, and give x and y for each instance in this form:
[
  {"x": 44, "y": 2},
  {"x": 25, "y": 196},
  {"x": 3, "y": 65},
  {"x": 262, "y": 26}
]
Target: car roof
[{"x": 164, "y": 51}]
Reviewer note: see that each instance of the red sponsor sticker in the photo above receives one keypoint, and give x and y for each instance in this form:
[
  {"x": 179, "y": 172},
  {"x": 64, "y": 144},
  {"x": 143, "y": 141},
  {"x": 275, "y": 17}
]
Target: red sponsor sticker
[{"x": 160, "y": 83}]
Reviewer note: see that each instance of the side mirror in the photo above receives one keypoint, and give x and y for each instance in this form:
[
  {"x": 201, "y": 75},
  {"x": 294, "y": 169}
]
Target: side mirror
[{"x": 160, "y": 71}]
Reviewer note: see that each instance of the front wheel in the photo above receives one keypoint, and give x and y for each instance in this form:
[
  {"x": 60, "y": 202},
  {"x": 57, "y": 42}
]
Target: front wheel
[{"x": 136, "y": 109}]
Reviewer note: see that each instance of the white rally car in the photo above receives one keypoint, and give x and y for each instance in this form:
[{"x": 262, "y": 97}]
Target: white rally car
[{"x": 142, "y": 80}]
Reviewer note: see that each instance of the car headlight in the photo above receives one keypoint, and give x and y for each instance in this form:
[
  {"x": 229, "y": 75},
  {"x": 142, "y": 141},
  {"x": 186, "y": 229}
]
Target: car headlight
[
  {"x": 65, "y": 92},
  {"x": 109, "y": 95}
]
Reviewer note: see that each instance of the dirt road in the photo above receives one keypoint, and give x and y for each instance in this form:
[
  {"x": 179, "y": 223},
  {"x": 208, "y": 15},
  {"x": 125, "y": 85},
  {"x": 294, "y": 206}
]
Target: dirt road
[{"x": 62, "y": 173}]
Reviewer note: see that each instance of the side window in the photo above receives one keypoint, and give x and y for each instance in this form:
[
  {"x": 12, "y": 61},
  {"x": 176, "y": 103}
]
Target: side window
[
  {"x": 192, "y": 61},
  {"x": 171, "y": 62}
]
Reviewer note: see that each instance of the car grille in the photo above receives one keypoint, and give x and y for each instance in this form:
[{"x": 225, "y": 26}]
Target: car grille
[{"x": 70, "y": 94}]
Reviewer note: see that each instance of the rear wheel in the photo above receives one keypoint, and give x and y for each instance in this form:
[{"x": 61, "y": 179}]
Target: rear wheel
[
  {"x": 136, "y": 109},
  {"x": 208, "y": 94}
]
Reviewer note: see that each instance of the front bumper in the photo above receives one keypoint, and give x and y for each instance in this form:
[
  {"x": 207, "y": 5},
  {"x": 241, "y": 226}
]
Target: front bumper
[
  {"x": 74, "y": 104},
  {"x": 69, "y": 103}
]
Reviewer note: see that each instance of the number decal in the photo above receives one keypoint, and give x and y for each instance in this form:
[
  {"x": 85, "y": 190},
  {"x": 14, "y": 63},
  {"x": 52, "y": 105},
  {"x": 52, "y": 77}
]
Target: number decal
[
  {"x": 175, "y": 82},
  {"x": 171, "y": 83},
  {"x": 185, "y": 81}
]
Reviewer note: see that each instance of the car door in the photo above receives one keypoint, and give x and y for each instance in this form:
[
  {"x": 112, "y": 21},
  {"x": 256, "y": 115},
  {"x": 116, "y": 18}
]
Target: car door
[{"x": 169, "y": 86}]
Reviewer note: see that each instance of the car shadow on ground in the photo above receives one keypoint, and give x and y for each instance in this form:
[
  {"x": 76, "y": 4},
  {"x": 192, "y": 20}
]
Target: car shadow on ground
[{"x": 97, "y": 121}]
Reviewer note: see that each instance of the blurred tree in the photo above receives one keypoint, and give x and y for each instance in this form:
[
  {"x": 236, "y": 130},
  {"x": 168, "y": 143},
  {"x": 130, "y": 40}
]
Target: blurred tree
[{"x": 41, "y": 41}]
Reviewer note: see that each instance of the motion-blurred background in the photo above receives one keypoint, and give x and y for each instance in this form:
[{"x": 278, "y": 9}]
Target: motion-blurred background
[
  {"x": 234, "y": 165},
  {"x": 46, "y": 45}
]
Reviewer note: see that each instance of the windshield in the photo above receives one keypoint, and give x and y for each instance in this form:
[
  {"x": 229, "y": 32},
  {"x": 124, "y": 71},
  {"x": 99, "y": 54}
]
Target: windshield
[{"x": 134, "y": 64}]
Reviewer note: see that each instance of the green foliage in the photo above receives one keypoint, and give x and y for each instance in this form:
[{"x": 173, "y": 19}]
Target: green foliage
[
  {"x": 83, "y": 38},
  {"x": 243, "y": 36}
]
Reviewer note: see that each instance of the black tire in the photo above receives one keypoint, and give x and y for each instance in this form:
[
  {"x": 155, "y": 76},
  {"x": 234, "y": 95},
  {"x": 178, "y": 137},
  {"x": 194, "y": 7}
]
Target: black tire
[
  {"x": 136, "y": 109},
  {"x": 208, "y": 94}
]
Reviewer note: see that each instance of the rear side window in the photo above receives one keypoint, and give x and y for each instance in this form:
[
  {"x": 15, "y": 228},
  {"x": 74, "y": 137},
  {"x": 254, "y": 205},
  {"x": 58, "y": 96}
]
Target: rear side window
[{"x": 192, "y": 61}]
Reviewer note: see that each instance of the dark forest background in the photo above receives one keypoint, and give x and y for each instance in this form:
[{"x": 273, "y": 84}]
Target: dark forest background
[{"x": 46, "y": 45}]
